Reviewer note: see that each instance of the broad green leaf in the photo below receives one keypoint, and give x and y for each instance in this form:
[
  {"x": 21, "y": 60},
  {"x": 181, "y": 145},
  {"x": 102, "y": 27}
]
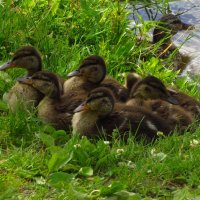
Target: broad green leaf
[
  {"x": 59, "y": 159},
  {"x": 70, "y": 167},
  {"x": 86, "y": 6},
  {"x": 86, "y": 171},
  {"x": 125, "y": 195},
  {"x": 79, "y": 195},
  {"x": 59, "y": 134},
  {"x": 48, "y": 129},
  {"x": 54, "y": 4},
  {"x": 60, "y": 179},
  {"x": 181, "y": 194},
  {"x": 111, "y": 189},
  {"x": 3, "y": 106},
  {"x": 47, "y": 139}
]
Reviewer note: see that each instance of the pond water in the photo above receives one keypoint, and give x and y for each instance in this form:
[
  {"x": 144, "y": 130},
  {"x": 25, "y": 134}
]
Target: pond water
[{"x": 191, "y": 47}]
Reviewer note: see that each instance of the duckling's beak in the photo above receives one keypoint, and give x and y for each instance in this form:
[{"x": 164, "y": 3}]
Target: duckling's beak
[
  {"x": 172, "y": 100},
  {"x": 82, "y": 107},
  {"x": 27, "y": 80},
  {"x": 74, "y": 73},
  {"x": 6, "y": 66}
]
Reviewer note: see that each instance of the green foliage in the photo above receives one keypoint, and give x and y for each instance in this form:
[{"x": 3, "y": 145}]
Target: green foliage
[
  {"x": 114, "y": 187},
  {"x": 60, "y": 179},
  {"x": 60, "y": 157},
  {"x": 86, "y": 171}
]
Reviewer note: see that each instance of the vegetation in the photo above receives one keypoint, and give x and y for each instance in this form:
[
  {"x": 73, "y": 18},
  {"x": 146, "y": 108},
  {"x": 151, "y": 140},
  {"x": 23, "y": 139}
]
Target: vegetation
[{"x": 38, "y": 162}]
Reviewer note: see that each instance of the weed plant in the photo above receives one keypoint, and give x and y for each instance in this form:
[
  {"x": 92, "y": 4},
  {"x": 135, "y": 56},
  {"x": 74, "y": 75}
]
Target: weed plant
[{"x": 38, "y": 162}]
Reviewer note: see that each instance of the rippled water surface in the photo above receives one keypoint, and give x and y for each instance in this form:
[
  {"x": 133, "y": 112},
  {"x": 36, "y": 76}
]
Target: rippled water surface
[{"x": 192, "y": 46}]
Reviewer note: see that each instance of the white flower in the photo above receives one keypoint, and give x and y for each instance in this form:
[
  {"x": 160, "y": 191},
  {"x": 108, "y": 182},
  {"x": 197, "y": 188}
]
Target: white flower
[
  {"x": 128, "y": 164},
  {"x": 120, "y": 151},
  {"x": 159, "y": 156},
  {"x": 149, "y": 171},
  {"x": 106, "y": 142},
  {"x": 153, "y": 151},
  {"x": 194, "y": 143},
  {"x": 40, "y": 180},
  {"x": 76, "y": 146},
  {"x": 131, "y": 165}
]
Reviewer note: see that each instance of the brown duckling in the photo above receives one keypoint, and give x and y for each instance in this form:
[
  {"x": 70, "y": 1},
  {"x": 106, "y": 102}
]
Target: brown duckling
[
  {"x": 167, "y": 27},
  {"x": 152, "y": 94},
  {"x": 187, "y": 102},
  {"x": 176, "y": 116},
  {"x": 100, "y": 115},
  {"x": 91, "y": 74},
  {"x": 150, "y": 88},
  {"x": 55, "y": 108},
  {"x": 153, "y": 88},
  {"x": 130, "y": 80},
  {"x": 29, "y": 58}
]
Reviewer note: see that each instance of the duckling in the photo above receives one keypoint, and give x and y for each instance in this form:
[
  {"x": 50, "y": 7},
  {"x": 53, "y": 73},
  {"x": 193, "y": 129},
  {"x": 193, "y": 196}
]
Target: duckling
[
  {"x": 100, "y": 115},
  {"x": 150, "y": 88},
  {"x": 55, "y": 108},
  {"x": 153, "y": 95},
  {"x": 153, "y": 88},
  {"x": 29, "y": 58},
  {"x": 169, "y": 25},
  {"x": 130, "y": 80},
  {"x": 187, "y": 102},
  {"x": 91, "y": 74},
  {"x": 176, "y": 116}
]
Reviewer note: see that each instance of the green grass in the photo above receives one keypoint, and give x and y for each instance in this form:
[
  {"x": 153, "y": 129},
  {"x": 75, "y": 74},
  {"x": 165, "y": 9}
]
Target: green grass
[{"x": 38, "y": 162}]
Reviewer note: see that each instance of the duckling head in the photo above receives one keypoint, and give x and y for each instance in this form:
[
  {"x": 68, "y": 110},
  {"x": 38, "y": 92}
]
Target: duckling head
[
  {"x": 131, "y": 80},
  {"x": 169, "y": 24},
  {"x": 26, "y": 57},
  {"x": 100, "y": 101},
  {"x": 92, "y": 69},
  {"x": 151, "y": 88},
  {"x": 46, "y": 82}
]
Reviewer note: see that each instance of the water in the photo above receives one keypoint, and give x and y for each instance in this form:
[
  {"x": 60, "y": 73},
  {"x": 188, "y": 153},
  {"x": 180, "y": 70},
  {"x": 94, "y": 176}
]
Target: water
[{"x": 191, "y": 47}]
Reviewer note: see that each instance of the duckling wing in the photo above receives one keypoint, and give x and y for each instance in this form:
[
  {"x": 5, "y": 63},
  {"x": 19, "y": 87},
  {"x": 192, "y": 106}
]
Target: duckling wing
[
  {"x": 76, "y": 86},
  {"x": 69, "y": 103},
  {"x": 63, "y": 121},
  {"x": 25, "y": 94},
  {"x": 111, "y": 123},
  {"x": 48, "y": 113},
  {"x": 126, "y": 123},
  {"x": 176, "y": 116},
  {"x": 150, "y": 118},
  {"x": 138, "y": 122}
]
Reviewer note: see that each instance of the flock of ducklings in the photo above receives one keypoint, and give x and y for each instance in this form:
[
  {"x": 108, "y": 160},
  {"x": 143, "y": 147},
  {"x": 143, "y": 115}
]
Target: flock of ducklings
[{"x": 94, "y": 104}]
